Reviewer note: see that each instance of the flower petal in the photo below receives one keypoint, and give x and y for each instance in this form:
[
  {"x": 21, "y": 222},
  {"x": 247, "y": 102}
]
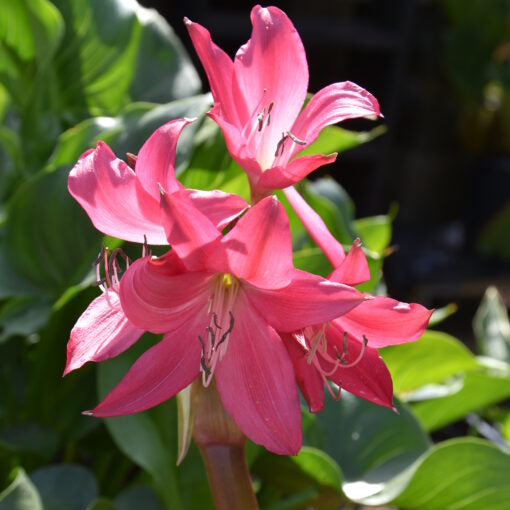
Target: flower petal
[
  {"x": 157, "y": 375},
  {"x": 189, "y": 232},
  {"x": 219, "y": 69},
  {"x": 353, "y": 270},
  {"x": 156, "y": 160},
  {"x": 221, "y": 208},
  {"x": 101, "y": 332},
  {"x": 385, "y": 321},
  {"x": 333, "y": 104},
  {"x": 308, "y": 377},
  {"x": 258, "y": 249},
  {"x": 316, "y": 227},
  {"x": 282, "y": 176},
  {"x": 306, "y": 301},
  {"x": 156, "y": 299},
  {"x": 256, "y": 383},
  {"x": 271, "y": 68},
  {"x": 369, "y": 379},
  {"x": 113, "y": 198}
]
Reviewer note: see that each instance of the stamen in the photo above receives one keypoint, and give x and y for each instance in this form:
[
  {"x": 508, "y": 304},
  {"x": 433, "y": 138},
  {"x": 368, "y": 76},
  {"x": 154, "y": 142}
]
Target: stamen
[
  {"x": 203, "y": 362},
  {"x": 227, "y": 333},
  {"x": 280, "y": 147},
  {"x": 260, "y": 119},
  {"x": 342, "y": 359},
  {"x": 271, "y": 104}
]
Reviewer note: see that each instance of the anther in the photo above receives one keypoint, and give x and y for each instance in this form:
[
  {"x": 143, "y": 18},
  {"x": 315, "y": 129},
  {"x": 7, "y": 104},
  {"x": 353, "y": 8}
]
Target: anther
[
  {"x": 260, "y": 119},
  {"x": 161, "y": 190},
  {"x": 295, "y": 139},
  {"x": 269, "y": 113},
  {"x": 215, "y": 320},
  {"x": 227, "y": 333},
  {"x": 203, "y": 363},
  {"x": 280, "y": 147},
  {"x": 212, "y": 335}
]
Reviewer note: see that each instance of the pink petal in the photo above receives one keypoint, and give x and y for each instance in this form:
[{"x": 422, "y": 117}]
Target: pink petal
[
  {"x": 369, "y": 379},
  {"x": 256, "y": 383},
  {"x": 385, "y": 321},
  {"x": 333, "y": 104},
  {"x": 258, "y": 249},
  {"x": 156, "y": 299},
  {"x": 101, "y": 332},
  {"x": 307, "y": 300},
  {"x": 156, "y": 160},
  {"x": 221, "y": 208},
  {"x": 189, "y": 232},
  {"x": 219, "y": 68},
  {"x": 315, "y": 227},
  {"x": 158, "y": 374},
  {"x": 113, "y": 198},
  {"x": 353, "y": 270},
  {"x": 308, "y": 378},
  {"x": 271, "y": 68},
  {"x": 282, "y": 176}
]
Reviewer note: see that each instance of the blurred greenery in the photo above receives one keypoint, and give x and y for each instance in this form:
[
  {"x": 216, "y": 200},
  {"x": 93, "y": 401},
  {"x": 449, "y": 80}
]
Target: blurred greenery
[{"x": 70, "y": 76}]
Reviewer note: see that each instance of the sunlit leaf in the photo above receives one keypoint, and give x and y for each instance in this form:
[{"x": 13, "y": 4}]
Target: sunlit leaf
[{"x": 21, "y": 494}]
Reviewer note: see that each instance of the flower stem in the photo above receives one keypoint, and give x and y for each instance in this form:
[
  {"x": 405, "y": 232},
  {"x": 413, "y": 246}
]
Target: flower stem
[{"x": 222, "y": 444}]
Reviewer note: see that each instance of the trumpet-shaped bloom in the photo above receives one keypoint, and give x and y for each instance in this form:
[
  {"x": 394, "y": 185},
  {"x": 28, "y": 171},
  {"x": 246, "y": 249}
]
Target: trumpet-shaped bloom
[
  {"x": 125, "y": 204},
  {"x": 258, "y": 99},
  {"x": 221, "y": 316},
  {"x": 344, "y": 350}
]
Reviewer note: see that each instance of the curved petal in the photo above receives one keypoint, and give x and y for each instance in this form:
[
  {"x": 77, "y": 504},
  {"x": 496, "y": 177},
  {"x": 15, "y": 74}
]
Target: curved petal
[
  {"x": 308, "y": 377},
  {"x": 258, "y": 249},
  {"x": 113, "y": 198},
  {"x": 354, "y": 268},
  {"x": 155, "y": 162},
  {"x": 101, "y": 332},
  {"x": 221, "y": 208},
  {"x": 271, "y": 68},
  {"x": 219, "y": 69},
  {"x": 369, "y": 378},
  {"x": 189, "y": 232},
  {"x": 306, "y": 301},
  {"x": 256, "y": 383},
  {"x": 333, "y": 104},
  {"x": 385, "y": 321},
  {"x": 158, "y": 374},
  {"x": 282, "y": 176},
  {"x": 316, "y": 227},
  {"x": 157, "y": 300}
]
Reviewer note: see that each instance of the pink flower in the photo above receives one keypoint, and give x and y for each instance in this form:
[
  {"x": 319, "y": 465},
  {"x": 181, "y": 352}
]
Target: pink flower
[
  {"x": 125, "y": 204},
  {"x": 221, "y": 318},
  {"x": 258, "y": 99},
  {"x": 344, "y": 350}
]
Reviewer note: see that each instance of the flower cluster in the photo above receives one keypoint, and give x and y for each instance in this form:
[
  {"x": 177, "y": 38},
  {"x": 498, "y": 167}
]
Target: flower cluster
[{"x": 226, "y": 296}]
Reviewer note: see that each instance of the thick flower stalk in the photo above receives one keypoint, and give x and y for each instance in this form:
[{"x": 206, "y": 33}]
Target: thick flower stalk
[
  {"x": 220, "y": 318},
  {"x": 344, "y": 350},
  {"x": 258, "y": 99}
]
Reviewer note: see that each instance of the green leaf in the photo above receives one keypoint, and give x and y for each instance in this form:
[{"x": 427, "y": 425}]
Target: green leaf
[
  {"x": 336, "y": 139},
  {"x": 50, "y": 241},
  {"x": 21, "y": 494},
  {"x": 375, "y": 232},
  {"x": 479, "y": 390},
  {"x": 431, "y": 359},
  {"x": 23, "y": 316},
  {"x": 137, "y": 497},
  {"x": 144, "y": 437},
  {"x": 30, "y": 437},
  {"x": 102, "y": 504},
  {"x": 375, "y": 447},
  {"x": 492, "y": 327},
  {"x": 460, "y": 474},
  {"x": 441, "y": 314},
  {"x": 320, "y": 466},
  {"x": 65, "y": 486}
]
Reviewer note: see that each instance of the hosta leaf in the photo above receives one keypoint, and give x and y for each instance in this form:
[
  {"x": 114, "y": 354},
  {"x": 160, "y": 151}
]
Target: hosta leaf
[{"x": 21, "y": 494}]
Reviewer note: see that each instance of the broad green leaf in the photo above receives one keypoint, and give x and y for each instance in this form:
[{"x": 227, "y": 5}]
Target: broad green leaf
[
  {"x": 312, "y": 260},
  {"x": 65, "y": 486},
  {"x": 137, "y": 497},
  {"x": 146, "y": 438},
  {"x": 21, "y": 494},
  {"x": 322, "y": 468},
  {"x": 492, "y": 327},
  {"x": 375, "y": 447},
  {"x": 50, "y": 241},
  {"x": 431, "y": 359},
  {"x": 336, "y": 139},
  {"x": 23, "y": 316},
  {"x": 375, "y": 232},
  {"x": 480, "y": 389},
  {"x": 459, "y": 474}
]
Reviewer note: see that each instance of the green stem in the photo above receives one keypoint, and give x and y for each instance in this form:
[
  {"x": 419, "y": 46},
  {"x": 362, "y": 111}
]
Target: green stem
[{"x": 222, "y": 444}]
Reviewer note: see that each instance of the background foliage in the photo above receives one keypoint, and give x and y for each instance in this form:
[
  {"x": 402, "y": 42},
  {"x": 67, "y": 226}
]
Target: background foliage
[{"x": 75, "y": 71}]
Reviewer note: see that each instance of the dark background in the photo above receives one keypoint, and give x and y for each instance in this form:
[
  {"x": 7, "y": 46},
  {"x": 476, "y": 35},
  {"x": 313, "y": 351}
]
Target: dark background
[{"x": 439, "y": 70}]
